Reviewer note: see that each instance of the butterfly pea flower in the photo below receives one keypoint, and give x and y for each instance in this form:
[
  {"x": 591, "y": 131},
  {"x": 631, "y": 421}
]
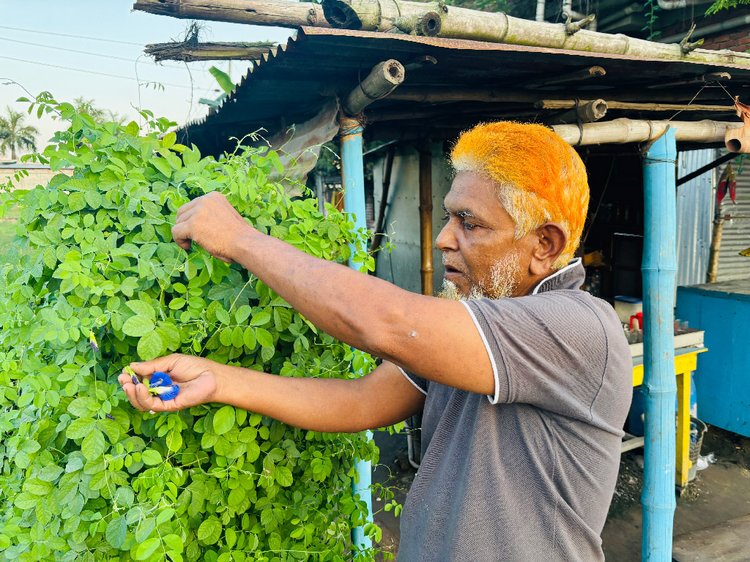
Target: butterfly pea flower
[
  {"x": 133, "y": 376},
  {"x": 161, "y": 385},
  {"x": 92, "y": 342}
]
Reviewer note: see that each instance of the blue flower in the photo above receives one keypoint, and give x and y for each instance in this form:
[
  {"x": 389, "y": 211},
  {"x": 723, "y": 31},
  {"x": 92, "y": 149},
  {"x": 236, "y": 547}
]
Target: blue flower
[{"x": 161, "y": 385}]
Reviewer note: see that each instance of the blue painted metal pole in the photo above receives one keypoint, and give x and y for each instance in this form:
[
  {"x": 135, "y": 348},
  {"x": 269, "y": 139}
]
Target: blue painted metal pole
[
  {"x": 353, "y": 179},
  {"x": 658, "y": 268}
]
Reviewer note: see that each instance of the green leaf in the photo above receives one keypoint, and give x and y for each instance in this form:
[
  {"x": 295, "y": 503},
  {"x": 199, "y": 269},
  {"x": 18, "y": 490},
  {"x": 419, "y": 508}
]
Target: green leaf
[
  {"x": 164, "y": 515},
  {"x": 116, "y": 531},
  {"x": 174, "y": 440},
  {"x": 138, "y": 326},
  {"x": 83, "y": 406},
  {"x": 50, "y": 473},
  {"x": 150, "y": 346},
  {"x": 264, "y": 337},
  {"x": 170, "y": 335},
  {"x": 150, "y": 457},
  {"x": 222, "y": 315},
  {"x": 224, "y": 420},
  {"x": 248, "y": 338},
  {"x": 261, "y": 318},
  {"x": 142, "y": 308},
  {"x": 236, "y": 497},
  {"x": 223, "y": 79},
  {"x": 79, "y": 428},
  {"x": 177, "y": 304},
  {"x": 169, "y": 140},
  {"x": 283, "y": 476},
  {"x": 93, "y": 445},
  {"x": 144, "y": 550},
  {"x": 163, "y": 166},
  {"x": 173, "y": 542},
  {"x": 209, "y": 531},
  {"x": 242, "y": 313},
  {"x": 144, "y": 529}
]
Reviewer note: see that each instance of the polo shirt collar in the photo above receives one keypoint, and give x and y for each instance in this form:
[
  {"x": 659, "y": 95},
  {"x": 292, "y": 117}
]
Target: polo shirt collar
[{"x": 571, "y": 276}]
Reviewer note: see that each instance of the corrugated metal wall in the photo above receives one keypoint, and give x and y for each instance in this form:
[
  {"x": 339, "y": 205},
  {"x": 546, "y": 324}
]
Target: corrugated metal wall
[
  {"x": 402, "y": 265},
  {"x": 736, "y": 235},
  {"x": 694, "y": 215}
]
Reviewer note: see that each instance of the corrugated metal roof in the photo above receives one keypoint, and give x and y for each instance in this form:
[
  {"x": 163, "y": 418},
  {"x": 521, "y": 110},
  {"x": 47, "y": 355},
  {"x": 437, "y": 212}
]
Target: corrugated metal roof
[{"x": 293, "y": 81}]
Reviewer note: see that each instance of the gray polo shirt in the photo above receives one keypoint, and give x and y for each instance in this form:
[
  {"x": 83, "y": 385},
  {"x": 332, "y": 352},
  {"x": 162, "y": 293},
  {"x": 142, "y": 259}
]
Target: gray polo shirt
[{"x": 528, "y": 473}]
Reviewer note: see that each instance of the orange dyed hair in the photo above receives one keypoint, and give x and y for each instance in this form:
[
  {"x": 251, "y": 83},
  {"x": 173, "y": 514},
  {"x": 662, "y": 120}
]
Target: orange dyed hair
[{"x": 540, "y": 177}]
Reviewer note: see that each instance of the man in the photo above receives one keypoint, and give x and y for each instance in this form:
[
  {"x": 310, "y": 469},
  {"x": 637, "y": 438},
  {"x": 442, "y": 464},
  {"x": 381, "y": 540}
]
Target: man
[{"x": 523, "y": 398}]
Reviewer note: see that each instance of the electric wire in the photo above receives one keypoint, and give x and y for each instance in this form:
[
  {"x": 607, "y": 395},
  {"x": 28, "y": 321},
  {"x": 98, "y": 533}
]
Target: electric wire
[
  {"x": 110, "y": 57},
  {"x": 93, "y": 72},
  {"x": 68, "y": 35}
]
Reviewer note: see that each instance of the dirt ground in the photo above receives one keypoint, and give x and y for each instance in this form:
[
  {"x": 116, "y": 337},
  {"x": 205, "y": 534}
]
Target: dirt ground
[{"x": 717, "y": 495}]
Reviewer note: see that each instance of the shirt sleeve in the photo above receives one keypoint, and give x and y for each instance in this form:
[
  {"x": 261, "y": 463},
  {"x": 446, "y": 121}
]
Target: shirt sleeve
[
  {"x": 546, "y": 350},
  {"x": 421, "y": 384}
]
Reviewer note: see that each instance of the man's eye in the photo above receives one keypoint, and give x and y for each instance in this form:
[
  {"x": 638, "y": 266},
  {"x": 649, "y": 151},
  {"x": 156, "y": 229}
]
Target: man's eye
[
  {"x": 469, "y": 225},
  {"x": 446, "y": 216}
]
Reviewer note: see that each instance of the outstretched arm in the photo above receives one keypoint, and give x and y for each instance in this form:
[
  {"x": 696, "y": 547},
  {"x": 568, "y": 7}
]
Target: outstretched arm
[
  {"x": 431, "y": 337},
  {"x": 382, "y": 398}
]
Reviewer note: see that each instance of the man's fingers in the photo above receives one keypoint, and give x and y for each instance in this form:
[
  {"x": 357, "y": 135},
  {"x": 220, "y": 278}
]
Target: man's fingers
[
  {"x": 165, "y": 364},
  {"x": 186, "y": 207},
  {"x": 181, "y": 236},
  {"x": 146, "y": 402},
  {"x": 129, "y": 389}
]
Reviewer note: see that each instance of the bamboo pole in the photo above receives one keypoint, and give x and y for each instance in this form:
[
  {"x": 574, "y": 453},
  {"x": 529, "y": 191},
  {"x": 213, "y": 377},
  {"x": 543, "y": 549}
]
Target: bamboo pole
[
  {"x": 624, "y": 130},
  {"x": 713, "y": 254},
  {"x": 280, "y": 13},
  {"x": 425, "y": 94},
  {"x": 584, "y": 112},
  {"x": 462, "y": 23},
  {"x": 382, "y": 80},
  {"x": 425, "y": 215},
  {"x": 658, "y": 268},
  {"x": 572, "y": 104},
  {"x": 187, "y": 51}
]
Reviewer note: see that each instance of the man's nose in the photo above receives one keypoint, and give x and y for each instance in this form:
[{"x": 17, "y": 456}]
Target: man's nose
[{"x": 445, "y": 240}]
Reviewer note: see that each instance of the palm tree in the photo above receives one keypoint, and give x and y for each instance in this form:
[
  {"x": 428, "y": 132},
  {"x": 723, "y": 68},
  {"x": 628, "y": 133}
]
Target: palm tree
[
  {"x": 14, "y": 134},
  {"x": 83, "y": 105}
]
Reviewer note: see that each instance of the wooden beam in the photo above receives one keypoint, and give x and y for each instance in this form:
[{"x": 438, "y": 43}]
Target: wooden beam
[
  {"x": 187, "y": 51},
  {"x": 443, "y": 95},
  {"x": 280, "y": 13},
  {"x": 577, "y": 76}
]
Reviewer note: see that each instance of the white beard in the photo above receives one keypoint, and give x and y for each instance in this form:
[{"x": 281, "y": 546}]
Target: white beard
[{"x": 503, "y": 281}]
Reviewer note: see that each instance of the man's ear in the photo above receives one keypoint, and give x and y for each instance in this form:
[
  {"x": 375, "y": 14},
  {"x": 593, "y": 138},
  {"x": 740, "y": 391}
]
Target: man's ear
[{"x": 551, "y": 241}]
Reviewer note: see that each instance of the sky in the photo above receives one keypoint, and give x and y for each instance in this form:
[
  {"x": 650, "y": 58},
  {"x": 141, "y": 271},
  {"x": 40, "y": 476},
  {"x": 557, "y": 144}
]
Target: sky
[{"x": 94, "y": 49}]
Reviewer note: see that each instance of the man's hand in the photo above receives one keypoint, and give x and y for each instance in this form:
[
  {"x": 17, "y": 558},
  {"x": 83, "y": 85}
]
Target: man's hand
[
  {"x": 211, "y": 222},
  {"x": 196, "y": 376}
]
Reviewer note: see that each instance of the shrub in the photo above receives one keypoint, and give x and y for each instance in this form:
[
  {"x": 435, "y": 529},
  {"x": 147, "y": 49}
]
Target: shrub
[{"x": 83, "y": 475}]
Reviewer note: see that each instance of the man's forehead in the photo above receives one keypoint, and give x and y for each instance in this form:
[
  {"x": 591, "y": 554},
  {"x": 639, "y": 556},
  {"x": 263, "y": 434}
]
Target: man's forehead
[{"x": 471, "y": 196}]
